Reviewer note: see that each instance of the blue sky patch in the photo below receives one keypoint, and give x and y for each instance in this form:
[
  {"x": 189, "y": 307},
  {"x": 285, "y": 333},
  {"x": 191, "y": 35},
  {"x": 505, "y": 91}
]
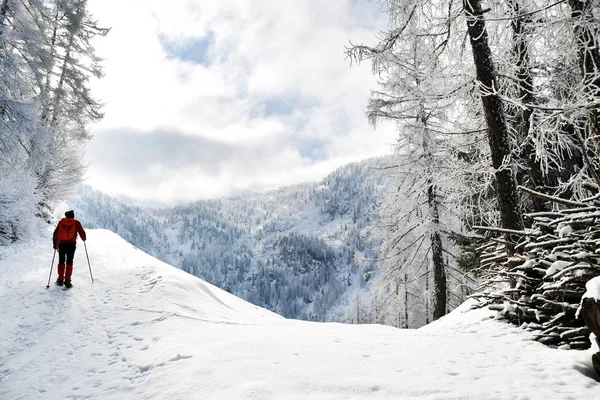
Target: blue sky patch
[
  {"x": 313, "y": 149},
  {"x": 278, "y": 106},
  {"x": 195, "y": 50}
]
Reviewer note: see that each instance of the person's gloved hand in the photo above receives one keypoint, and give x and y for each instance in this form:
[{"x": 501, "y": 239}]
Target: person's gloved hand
[{"x": 55, "y": 247}]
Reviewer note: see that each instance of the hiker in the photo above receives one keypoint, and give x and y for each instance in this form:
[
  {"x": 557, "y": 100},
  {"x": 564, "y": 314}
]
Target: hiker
[{"x": 64, "y": 239}]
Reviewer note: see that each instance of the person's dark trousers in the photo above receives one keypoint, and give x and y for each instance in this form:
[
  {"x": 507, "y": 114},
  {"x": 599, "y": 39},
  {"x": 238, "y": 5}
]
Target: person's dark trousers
[{"x": 66, "y": 252}]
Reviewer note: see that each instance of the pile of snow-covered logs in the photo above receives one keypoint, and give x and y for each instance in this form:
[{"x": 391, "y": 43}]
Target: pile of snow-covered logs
[{"x": 540, "y": 285}]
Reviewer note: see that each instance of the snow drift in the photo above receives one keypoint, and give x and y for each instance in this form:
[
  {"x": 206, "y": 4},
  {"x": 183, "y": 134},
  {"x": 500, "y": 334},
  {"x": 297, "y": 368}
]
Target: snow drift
[{"x": 146, "y": 330}]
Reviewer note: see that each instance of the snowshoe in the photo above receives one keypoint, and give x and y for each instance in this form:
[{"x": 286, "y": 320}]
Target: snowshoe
[
  {"x": 68, "y": 285},
  {"x": 59, "y": 282}
]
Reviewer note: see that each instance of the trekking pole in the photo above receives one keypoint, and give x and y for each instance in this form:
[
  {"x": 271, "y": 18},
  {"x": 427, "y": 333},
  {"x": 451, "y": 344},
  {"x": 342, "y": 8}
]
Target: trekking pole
[
  {"x": 88, "y": 258},
  {"x": 51, "y": 265}
]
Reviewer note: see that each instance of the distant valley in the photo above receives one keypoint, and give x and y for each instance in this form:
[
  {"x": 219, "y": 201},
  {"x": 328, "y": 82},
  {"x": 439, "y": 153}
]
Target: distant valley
[{"x": 304, "y": 251}]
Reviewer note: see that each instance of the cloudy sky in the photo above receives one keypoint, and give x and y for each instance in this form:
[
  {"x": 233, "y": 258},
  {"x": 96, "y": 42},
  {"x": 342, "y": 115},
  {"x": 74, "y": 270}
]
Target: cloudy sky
[{"x": 208, "y": 98}]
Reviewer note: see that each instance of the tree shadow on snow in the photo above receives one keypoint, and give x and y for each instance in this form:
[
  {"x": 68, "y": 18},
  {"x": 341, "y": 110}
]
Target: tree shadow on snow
[{"x": 586, "y": 368}]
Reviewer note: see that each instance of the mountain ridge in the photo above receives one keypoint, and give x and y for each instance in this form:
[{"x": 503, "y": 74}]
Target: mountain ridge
[{"x": 297, "y": 251}]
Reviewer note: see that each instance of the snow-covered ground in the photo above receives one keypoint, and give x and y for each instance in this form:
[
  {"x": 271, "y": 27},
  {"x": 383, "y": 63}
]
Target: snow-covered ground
[{"x": 146, "y": 330}]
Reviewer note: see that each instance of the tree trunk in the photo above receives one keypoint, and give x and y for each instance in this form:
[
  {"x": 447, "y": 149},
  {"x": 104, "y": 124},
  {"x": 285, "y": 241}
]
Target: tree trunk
[
  {"x": 427, "y": 297},
  {"x": 506, "y": 188},
  {"x": 405, "y": 300},
  {"x": 589, "y": 62},
  {"x": 524, "y": 118},
  {"x": 439, "y": 269},
  {"x": 47, "y": 86},
  {"x": 437, "y": 256},
  {"x": 4, "y": 8},
  {"x": 58, "y": 92}
]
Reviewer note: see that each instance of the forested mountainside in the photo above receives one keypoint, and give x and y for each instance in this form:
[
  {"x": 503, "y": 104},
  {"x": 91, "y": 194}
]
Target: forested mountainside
[{"x": 302, "y": 251}]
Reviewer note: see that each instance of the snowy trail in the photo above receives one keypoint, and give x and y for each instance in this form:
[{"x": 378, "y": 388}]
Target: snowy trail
[{"x": 145, "y": 330}]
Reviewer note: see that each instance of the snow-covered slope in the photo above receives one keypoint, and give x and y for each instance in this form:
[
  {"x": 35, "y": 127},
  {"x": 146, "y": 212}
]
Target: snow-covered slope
[
  {"x": 302, "y": 251},
  {"x": 146, "y": 330}
]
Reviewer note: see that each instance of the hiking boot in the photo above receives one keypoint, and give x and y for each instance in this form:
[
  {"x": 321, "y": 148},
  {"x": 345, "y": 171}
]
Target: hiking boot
[
  {"x": 68, "y": 284},
  {"x": 59, "y": 282}
]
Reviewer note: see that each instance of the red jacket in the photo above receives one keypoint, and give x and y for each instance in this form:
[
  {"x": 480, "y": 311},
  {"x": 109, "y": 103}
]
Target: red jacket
[{"x": 70, "y": 225}]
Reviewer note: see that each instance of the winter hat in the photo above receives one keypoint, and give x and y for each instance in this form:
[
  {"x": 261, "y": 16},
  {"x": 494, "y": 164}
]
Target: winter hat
[{"x": 70, "y": 214}]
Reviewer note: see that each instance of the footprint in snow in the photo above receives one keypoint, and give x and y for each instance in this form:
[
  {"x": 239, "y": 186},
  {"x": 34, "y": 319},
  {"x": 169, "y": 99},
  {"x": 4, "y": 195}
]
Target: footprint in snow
[{"x": 180, "y": 357}]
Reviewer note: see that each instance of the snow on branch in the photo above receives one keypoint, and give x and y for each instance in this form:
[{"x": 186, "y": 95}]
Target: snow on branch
[{"x": 552, "y": 198}]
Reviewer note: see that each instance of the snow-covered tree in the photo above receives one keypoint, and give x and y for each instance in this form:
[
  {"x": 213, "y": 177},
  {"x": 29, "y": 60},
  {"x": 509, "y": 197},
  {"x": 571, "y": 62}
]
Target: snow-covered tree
[
  {"x": 46, "y": 61},
  {"x": 422, "y": 89}
]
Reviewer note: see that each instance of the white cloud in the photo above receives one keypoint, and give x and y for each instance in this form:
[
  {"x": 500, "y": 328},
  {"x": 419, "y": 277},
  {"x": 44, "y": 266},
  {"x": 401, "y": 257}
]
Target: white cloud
[{"x": 268, "y": 75}]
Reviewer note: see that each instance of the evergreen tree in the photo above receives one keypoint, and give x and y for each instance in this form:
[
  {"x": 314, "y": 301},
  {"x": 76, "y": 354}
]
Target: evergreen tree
[{"x": 46, "y": 61}]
